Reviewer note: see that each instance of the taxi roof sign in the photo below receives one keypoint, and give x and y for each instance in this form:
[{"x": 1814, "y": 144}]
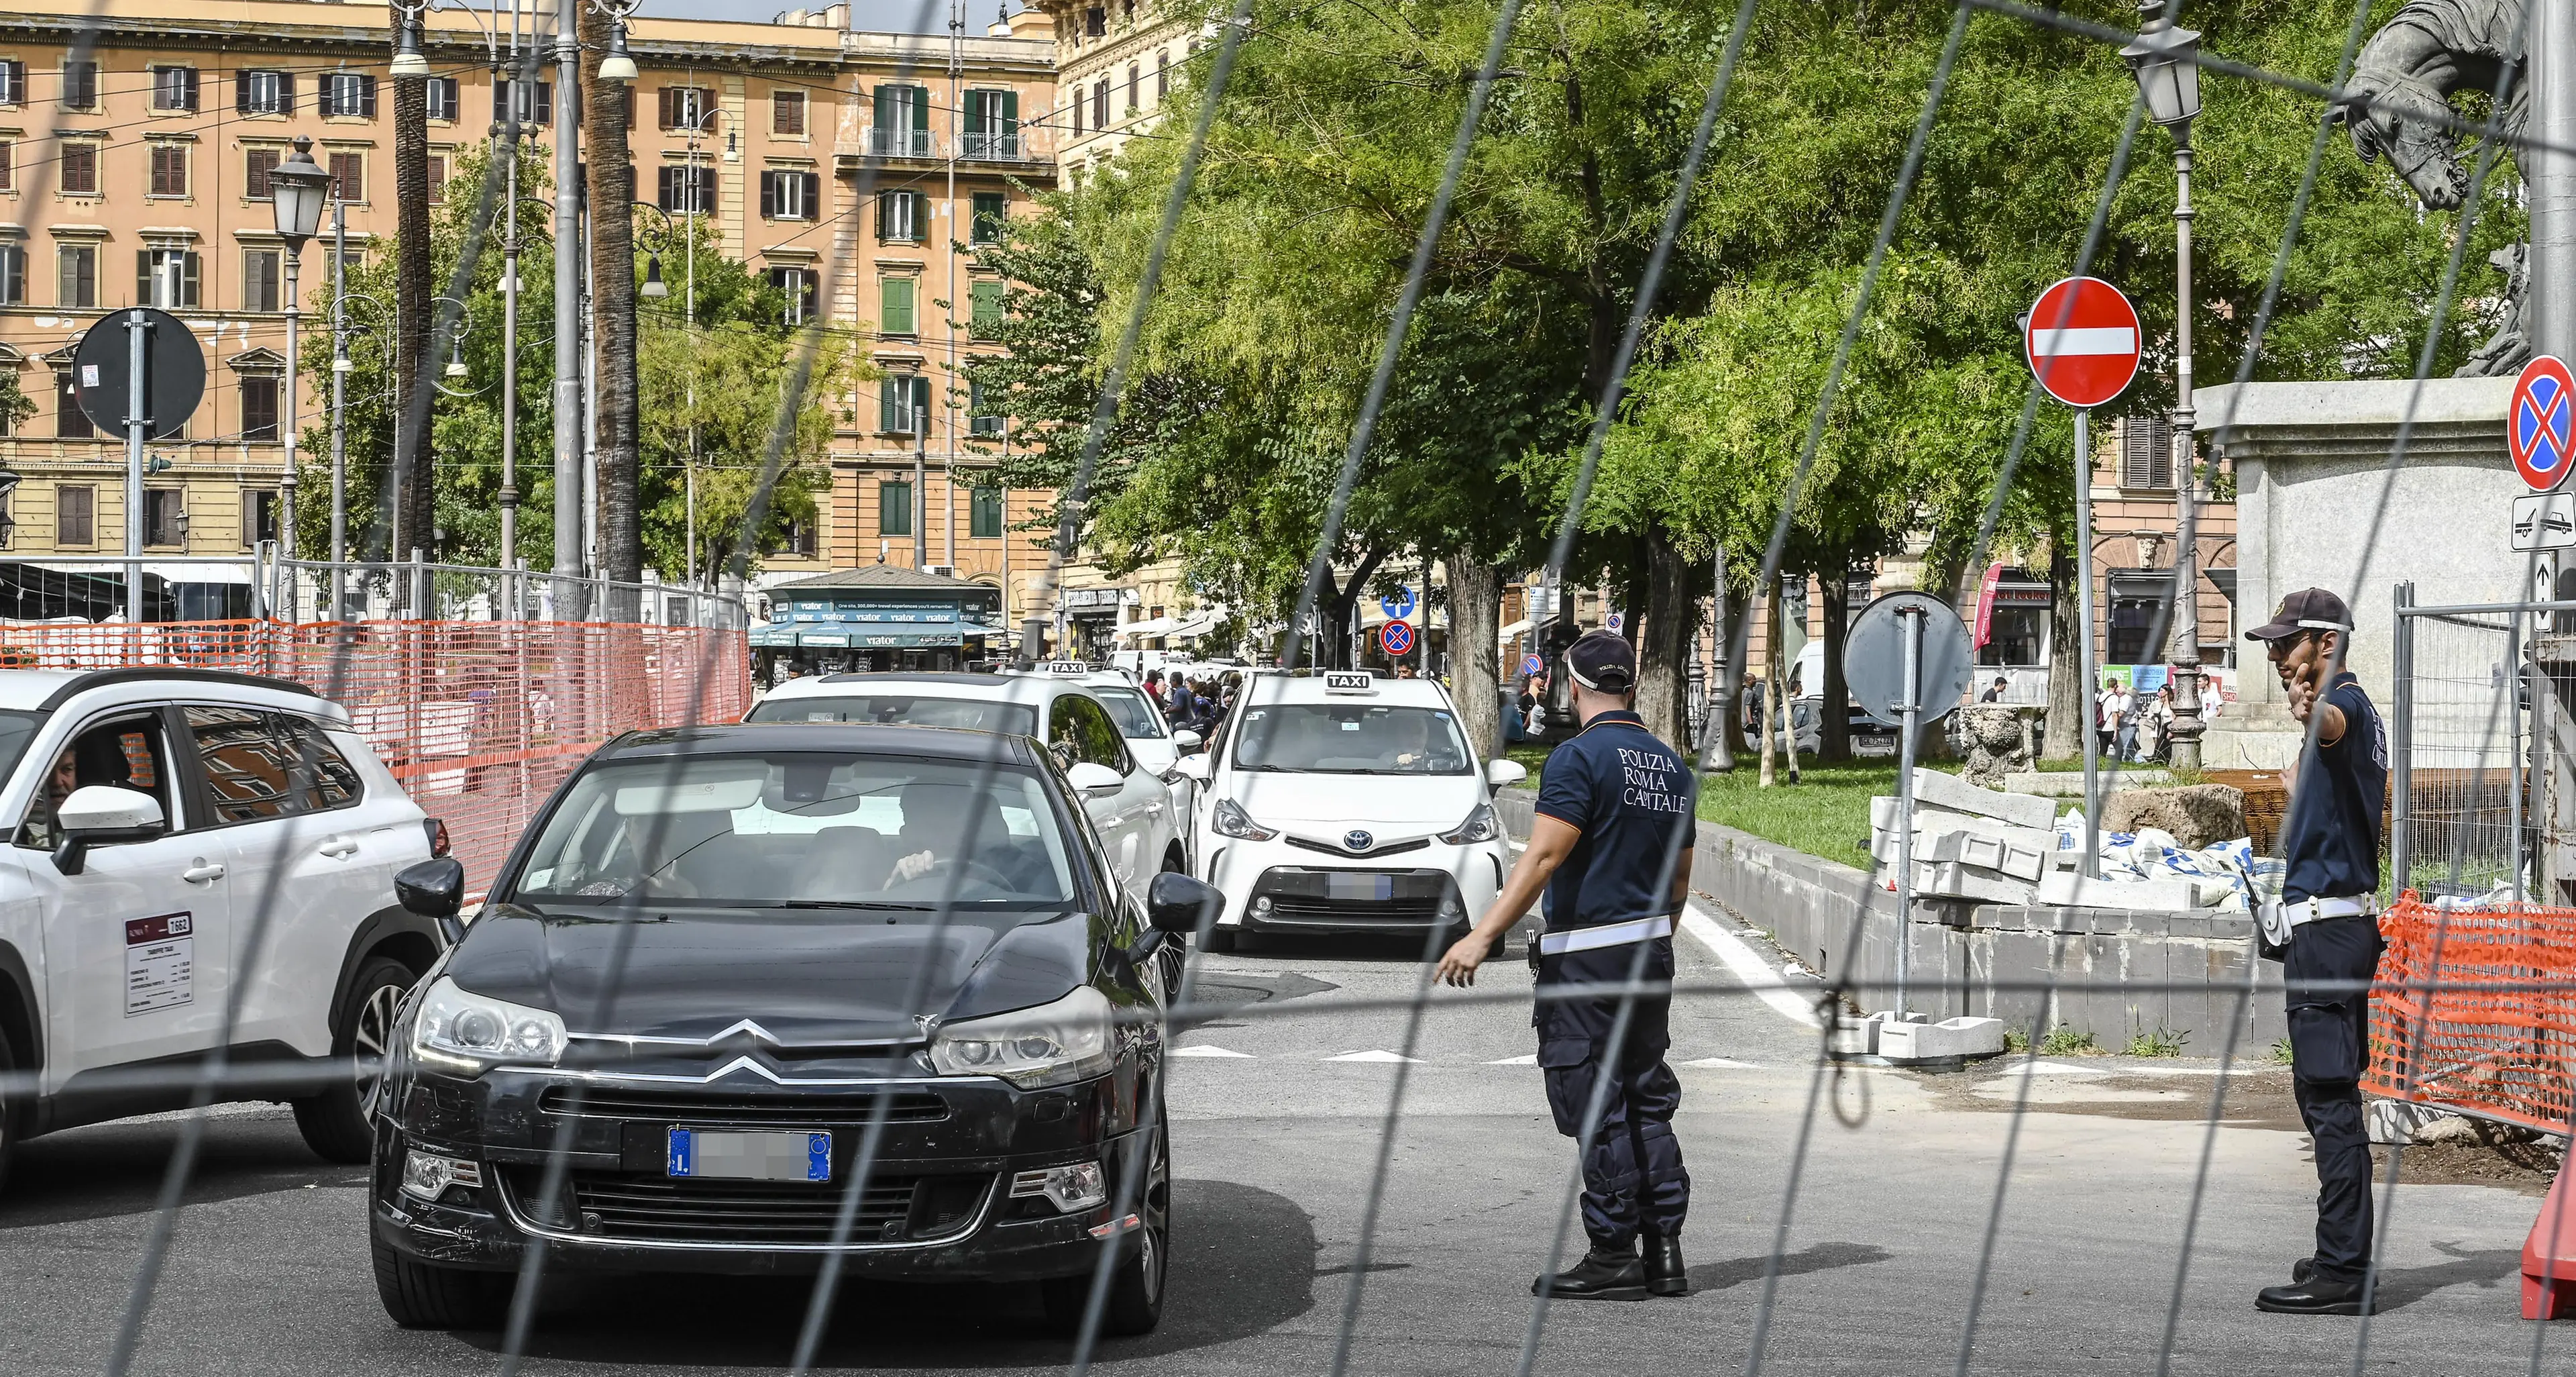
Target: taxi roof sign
[
  {"x": 1067, "y": 667},
  {"x": 1360, "y": 681}
]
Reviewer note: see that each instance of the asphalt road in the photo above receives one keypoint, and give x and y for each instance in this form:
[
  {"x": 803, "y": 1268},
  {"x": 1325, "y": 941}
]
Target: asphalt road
[{"x": 1278, "y": 1116}]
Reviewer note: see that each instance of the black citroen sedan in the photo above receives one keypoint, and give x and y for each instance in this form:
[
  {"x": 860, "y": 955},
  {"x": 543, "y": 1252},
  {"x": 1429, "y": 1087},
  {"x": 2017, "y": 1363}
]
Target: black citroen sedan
[{"x": 746, "y": 998}]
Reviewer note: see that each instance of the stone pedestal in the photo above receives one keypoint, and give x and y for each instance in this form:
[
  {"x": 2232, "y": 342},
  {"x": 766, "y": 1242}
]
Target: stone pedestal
[{"x": 2310, "y": 462}]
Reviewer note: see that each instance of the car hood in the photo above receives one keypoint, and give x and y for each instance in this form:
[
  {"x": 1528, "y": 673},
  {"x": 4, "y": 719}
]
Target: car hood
[
  {"x": 1155, "y": 753},
  {"x": 1423, "y": 802},
  {"x": 806, "y": 976}
]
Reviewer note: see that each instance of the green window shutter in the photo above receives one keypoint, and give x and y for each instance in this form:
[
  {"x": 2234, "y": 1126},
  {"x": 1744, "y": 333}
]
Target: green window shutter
[
  {"x": 1010, "y": 113},
  {"x": 986, "y": 293},
  {"x": 921, "y": 399},
  {"x": 975, "y": 107},
  {"x": 894, "y": 507},
  {"x": 921, "y": 109},
  {"x": 894, "y": 316},
  {"x": 886, "y": 98},
  {"x": 890, "y": 404},
  {"x": 986, "y": 514}
]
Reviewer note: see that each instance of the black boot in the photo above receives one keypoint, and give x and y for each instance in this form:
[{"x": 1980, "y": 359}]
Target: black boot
[
  {"x": 2301, "y": 1270},
  {"x": 1603, "y": 1274},
  {"x": 2315, "y": 1296},
  {"x": 1664, "y": 1273}
]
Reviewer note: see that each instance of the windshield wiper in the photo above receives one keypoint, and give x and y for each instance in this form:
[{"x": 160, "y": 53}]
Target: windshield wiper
[{"x": 850, "y": 903}]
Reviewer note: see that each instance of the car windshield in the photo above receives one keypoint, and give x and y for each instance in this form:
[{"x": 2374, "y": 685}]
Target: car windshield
[
  {"x": 1350, "y": 739},
  {"x": 1136, "y": 718},
  {"x": 801, "y": 831},
  {"x": 902, "y": 709}
]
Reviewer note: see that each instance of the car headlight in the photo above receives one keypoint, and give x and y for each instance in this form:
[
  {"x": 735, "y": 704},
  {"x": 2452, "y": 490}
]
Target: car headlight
[
  {"x": 461, "y": 1031},
  {"x": 1480, "y": 826},
  {"x": 1231, "y": 821},
  {"x": 1052, "y": 1044}
]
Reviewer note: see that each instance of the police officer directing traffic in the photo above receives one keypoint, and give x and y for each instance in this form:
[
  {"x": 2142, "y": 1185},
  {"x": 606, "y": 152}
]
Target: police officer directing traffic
[
  {"x": 2325, "y": 928},
  {"x": 1611, "y": 847}
]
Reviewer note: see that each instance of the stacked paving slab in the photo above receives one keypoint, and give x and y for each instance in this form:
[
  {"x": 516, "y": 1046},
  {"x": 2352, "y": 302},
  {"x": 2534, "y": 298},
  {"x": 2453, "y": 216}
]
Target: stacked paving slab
[{"x": 1983, "y": 845}]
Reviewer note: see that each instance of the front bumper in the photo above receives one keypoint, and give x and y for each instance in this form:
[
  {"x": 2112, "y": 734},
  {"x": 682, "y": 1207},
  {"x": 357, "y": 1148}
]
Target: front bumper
[
  {"x": 1277, "y": 886},
  {"x": 937, "y": 1205}
]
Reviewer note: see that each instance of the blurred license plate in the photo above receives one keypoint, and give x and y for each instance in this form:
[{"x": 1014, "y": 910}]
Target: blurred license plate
[
  {"x": 1341, "y": 886},
  {"x": 728, "y": 1155}
]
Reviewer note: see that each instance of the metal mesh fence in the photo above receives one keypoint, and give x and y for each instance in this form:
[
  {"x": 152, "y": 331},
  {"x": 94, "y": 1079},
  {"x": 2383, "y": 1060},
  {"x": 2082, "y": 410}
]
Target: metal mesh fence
[{"x": 2458, "y": 753}]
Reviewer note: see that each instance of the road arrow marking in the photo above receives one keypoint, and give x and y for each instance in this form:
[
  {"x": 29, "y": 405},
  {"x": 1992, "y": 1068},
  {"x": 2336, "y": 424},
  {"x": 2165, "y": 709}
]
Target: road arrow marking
[
  {"x": 1725, "y": 1064},
  {"x": 1524, "y": 1059},
  {"x": 1373, "y": 1054},
  {"x": 1203, "y": 1050}
]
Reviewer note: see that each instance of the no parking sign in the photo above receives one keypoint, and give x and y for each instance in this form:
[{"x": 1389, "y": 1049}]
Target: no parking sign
[
  {"x": 1396, "y": 638},
  {"x": 1531, "y": 664}
]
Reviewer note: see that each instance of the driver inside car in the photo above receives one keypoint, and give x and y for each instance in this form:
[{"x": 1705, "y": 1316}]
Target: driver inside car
[{"x": 943, "y": 823}]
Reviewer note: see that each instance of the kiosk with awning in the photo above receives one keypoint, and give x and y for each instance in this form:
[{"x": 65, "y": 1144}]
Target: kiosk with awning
[{"x": 879, "y": 618}]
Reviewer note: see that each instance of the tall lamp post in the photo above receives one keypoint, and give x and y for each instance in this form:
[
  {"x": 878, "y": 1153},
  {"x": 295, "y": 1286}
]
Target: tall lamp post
[
  {"x": 2163, "y": 61},
  {"x": 297, "y": 187}
]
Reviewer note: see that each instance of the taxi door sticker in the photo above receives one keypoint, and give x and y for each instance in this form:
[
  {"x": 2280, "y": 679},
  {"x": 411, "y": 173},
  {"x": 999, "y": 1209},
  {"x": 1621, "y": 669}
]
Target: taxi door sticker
[{"x": 160, "y": 963}]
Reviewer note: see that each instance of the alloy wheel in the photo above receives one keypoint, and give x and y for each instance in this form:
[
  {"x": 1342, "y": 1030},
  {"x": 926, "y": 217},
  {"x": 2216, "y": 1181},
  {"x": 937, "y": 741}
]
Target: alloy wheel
[{"x": 371, "y": 1039}]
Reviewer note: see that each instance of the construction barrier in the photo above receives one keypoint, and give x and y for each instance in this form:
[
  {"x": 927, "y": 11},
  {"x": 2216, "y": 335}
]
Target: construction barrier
[
  {"x": 2477, "y": 1011},
  {"x": 479, "y": 720}
]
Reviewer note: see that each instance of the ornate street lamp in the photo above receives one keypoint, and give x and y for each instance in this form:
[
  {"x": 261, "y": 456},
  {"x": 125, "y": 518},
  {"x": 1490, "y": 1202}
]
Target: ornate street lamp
[{"x": 298, "y": 188}]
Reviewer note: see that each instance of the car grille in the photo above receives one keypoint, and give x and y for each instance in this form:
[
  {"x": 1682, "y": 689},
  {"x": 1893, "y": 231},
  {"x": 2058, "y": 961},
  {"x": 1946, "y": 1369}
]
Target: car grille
[
  {"x": 1396, "y": 849},
  {"x": 1300, "y": 895},
  {"x": 645, "y": 1208},
  {"x": 1295, "y": 908},
  {"x": 702, "y": 1107}
]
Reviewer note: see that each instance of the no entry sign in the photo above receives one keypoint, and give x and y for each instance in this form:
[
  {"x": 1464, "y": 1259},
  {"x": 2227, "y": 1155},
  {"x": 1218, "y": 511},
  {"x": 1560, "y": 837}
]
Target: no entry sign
[
  {"x": 2538, "y": 423},
  {"x": 1396, "y": 638},
  {"x": 2082, "y": 341}
]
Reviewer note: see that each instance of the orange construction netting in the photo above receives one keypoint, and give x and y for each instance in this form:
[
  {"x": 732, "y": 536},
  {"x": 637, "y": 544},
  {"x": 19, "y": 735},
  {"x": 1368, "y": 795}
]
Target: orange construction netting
[
  {"x": 2507, "y": 1053},
  {"x": 479, "y": 720}
]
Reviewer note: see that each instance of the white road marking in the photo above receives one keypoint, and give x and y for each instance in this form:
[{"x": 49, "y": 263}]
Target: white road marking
[
  {"x": 1725, "y": 1064},
  {"x": 2054, "y": 1068},
  {"x": 1374, "y": 1054},
  {"x": 1204, "y": 1050},
  {"x": 1749, "y": 967},
  {"x": 1524, "y": 1059}
]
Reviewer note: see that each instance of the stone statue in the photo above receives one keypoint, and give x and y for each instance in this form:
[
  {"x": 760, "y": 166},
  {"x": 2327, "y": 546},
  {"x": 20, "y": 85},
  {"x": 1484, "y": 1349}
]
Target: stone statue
[
  {"x": 1997, "y": 736},
  {"x": 2428, "y": 51}
]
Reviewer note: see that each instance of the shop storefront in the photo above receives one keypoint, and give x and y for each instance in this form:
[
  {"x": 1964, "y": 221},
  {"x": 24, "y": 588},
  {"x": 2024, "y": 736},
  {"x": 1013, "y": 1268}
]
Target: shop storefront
[{"x": 2013, "y": 634}]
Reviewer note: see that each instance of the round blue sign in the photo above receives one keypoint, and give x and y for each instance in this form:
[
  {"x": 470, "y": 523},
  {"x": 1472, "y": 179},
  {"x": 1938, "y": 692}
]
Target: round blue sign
[{"x": 1397, "y": 604}]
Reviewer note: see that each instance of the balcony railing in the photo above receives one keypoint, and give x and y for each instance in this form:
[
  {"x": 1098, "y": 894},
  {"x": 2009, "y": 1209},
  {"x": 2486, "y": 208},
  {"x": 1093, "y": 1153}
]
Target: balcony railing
[
  {"x": 995, "y": 147},
  {"x": 899, "y": 143}
]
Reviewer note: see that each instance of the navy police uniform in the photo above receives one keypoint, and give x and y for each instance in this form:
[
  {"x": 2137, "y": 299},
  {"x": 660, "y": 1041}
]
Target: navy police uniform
[{"x": 1610, "y": 918}]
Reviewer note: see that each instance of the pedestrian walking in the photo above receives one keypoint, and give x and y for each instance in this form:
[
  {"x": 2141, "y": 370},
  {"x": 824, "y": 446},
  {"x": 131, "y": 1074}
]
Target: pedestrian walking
[
  {"x": 1154, "y": 687},
  {"x": 1610, "y": 847},
  {"x": 1995, "y": 694},
  {"x": 2106, "y": 723},
  {"x": 2124, "y": 722},
  {"x": 2155, "y": 724},
  {"x": 2325, "y": 928}
]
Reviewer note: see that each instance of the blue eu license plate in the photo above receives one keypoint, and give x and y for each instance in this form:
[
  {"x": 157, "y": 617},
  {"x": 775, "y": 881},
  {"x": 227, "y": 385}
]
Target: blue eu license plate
[{"x": 724, "y": 1154}]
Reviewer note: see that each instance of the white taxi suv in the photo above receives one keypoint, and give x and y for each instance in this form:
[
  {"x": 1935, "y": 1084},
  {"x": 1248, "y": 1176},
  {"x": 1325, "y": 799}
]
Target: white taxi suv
[
  {"x": 1342, "y": 802},
  {"x": 1129, "y": 805},
  {"x": 171, "y": 853}
]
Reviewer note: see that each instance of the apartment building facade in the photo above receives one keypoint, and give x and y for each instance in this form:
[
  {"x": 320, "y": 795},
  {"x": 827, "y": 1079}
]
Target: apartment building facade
[{"x": 856, "y": 170}]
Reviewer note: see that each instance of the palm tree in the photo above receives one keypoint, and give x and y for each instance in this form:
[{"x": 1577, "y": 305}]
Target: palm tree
[
  {"x": 414, "y": 517},
  {"x": 612, "y": 274}
]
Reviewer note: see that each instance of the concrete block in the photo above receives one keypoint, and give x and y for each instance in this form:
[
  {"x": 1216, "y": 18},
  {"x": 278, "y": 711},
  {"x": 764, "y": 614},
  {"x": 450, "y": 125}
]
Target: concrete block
[
  {"x": 2070, "y": 783},
  {"x": 1954, "y": 1037},
  {"x": 1860, "y": 1037},
  {"x": 1955, "y": 880},
  {"x": 2175, "y": 895},
  {"x": 2024, "y": 857},
  {"x": 1949, "y": 791}
]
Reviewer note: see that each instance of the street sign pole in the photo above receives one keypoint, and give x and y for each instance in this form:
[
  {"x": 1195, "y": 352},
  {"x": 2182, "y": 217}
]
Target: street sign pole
[
  {"x": 2084, "y": 634},
  {"x": 1910, "y": 705},
  {"x": 138, "y": 423}
]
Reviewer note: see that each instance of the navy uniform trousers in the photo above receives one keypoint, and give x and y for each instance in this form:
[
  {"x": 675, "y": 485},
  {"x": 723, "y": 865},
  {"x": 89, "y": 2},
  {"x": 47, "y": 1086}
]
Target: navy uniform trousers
[
  {"x": 2329, "y": 1048},
  {"x": 1632, "y": 1173}
]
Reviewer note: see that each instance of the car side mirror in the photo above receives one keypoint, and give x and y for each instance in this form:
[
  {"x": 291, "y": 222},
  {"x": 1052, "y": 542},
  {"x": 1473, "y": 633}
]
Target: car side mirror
[
  {"x": 1187, "y": 740},
  {"x": 1503, "y": 773},
  {"x": 434, "y": 888},
  {"x": 1090, "y": 777},
  {"x": 1175, "y": 902},
  {"x": 103, "y": 815},
  {"x": 1195, "y": 766}
]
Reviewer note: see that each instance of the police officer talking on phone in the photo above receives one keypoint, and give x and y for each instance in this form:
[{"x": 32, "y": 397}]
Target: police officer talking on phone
[
  {"x": 2325, "y": 928},
  {"x": 1611, "y": 847}
]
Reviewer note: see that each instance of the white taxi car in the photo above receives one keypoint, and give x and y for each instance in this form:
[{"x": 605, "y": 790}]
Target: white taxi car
[
  {"x": 1341, "y": 802},
  {"x": 1129, "y": 804},
  {"x": 164, "y": 861}
]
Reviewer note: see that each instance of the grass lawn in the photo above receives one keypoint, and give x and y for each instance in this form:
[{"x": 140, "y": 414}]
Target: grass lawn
[{"x": 1825, "y": 814}]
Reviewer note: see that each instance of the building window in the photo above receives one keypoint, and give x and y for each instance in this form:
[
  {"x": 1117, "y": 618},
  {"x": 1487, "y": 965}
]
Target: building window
[
  {"x": 993, "y": 125},
  {"x": 788, "y": 195},
  {"x": 1100, "y": 104},
  {"x": 349, "y": 95},
  {"x": 984, "y": 516},
  {"x": 76, "y": 276},
  {"x": 787, "y": 113},
  {"x": 13, "y": 82},
  {"x": 80, "y": 168},
  {"x": 979, "y": 421},
  {"x": 259, "y": 407},
  {"x": 534, "y": 101},
  {"x": 1135, "y": 87},
  {"x": 75, "y": 516},
  {"x": 257, "y": 163},
  {"x": 894, "y": 306},
  {"x": 174, "y": 88},
  {"x": 899, "y": 217},
  {"x": 991, "y": 208},
  {"x": 165, "y": 517},
  {"x": 442, "y": 95},
  {"x": 349, "y": 177},
  {"x": 1076, "y": 107},
  {"x": 799, "y": 285},
  {"x": 1162, "y": 76},
  {"x": 80, "y": 85},
  {"x": 437, "y": 178},
  {"x": 70, "y": 422},
  {"x": 13, "y": 275},
  {"x": 902, "y": 122},
  {"x": 259, "y": 517},
  {"x": 2146, "y": 456},
  {"x": 169, "y": 169},
  {"x": 986, "y": 295},
  {"x": 688, "y": 107},
  {"x": 900, "y": 400},
  {"x": 687, "y": 190},
  {"x": 1095, "y": 22},
  {"x": 261, "y": 279},
  {"x": 166, "y": 278},
  {"x": 258, "y": 91},
  {"x": 8, "y": 165},
  {"x": 894, "y": 507}
]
